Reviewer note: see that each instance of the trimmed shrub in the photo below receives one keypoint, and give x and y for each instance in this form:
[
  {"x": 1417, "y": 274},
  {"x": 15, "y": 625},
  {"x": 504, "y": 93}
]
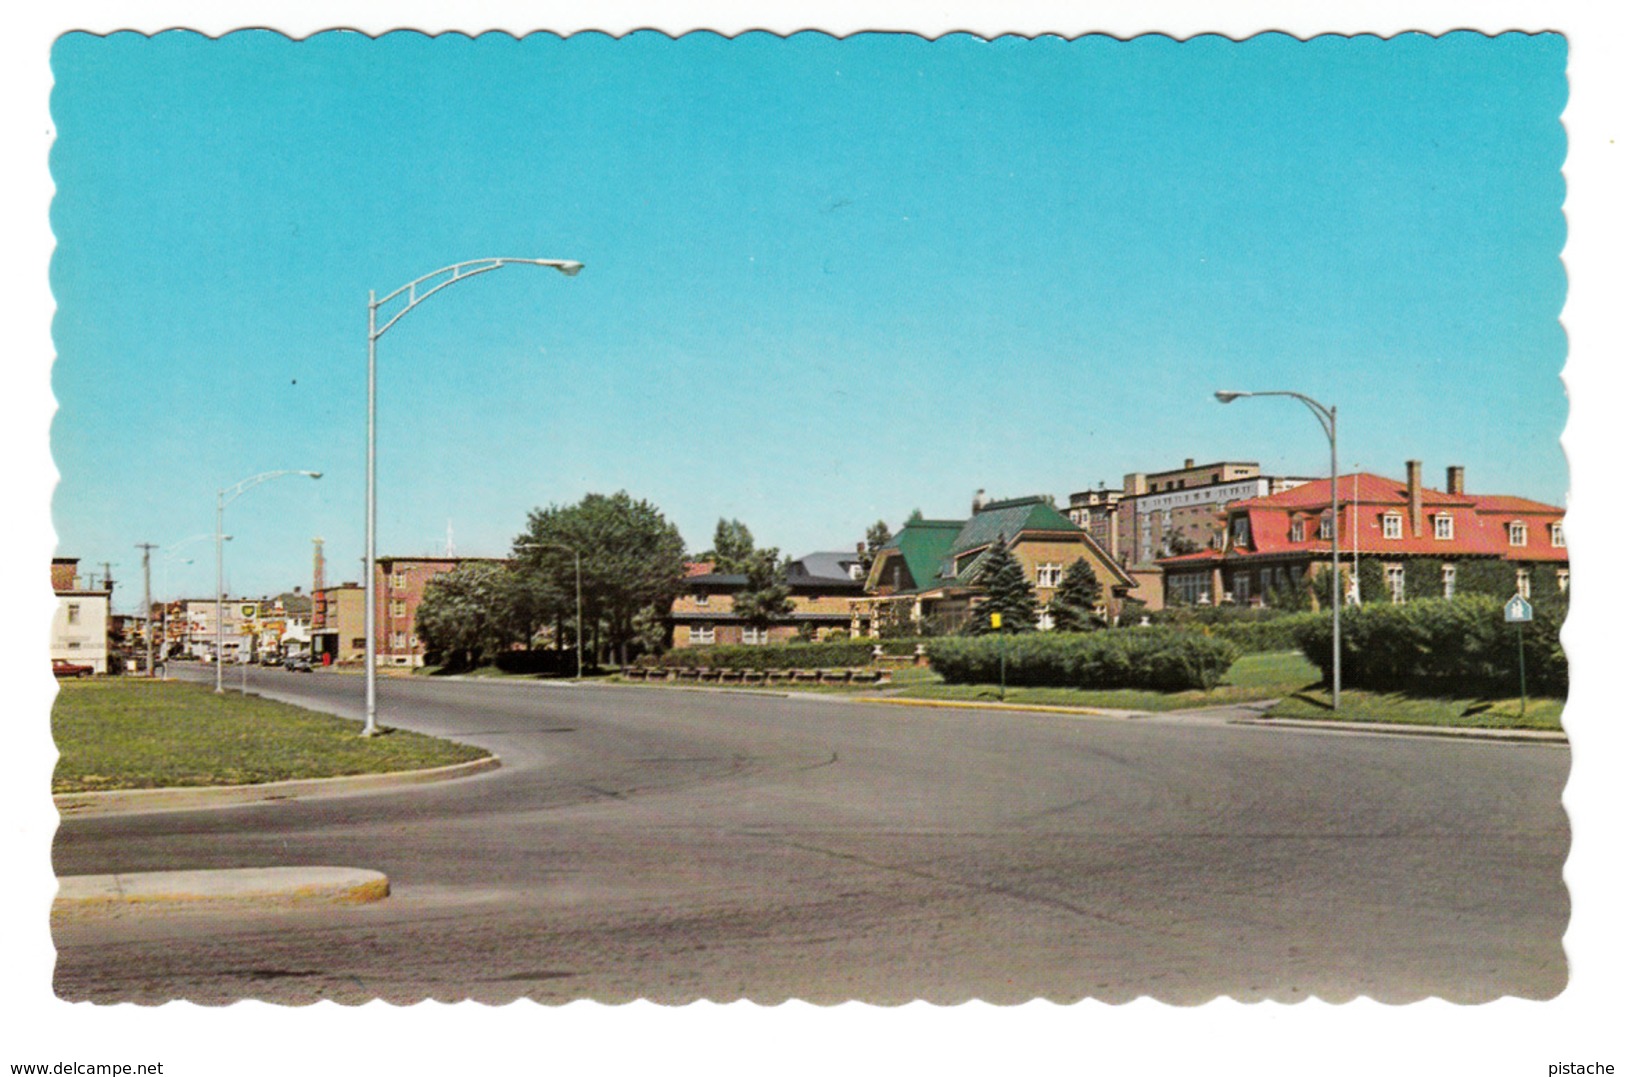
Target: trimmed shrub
[
  {"x": 1265, "y": 635},
  {"x": 1163, "y": 659},
  {"x": 541, "y": 661},
  {"x": 1461, "y": 646}
]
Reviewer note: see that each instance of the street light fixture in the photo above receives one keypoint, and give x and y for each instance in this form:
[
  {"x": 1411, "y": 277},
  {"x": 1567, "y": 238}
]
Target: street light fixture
[
  {"x": 1327, "y": 417},
  {"x": 430, "y": 283},
  {"x": 580, "y": 638},
  {"x": 225, "y": 497}
]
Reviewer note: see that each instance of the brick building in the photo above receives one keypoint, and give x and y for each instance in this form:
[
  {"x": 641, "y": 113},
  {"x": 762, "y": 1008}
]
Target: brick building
[
  {"x": 822, "y": 587},
  {"x": 398, "y": 590},
  {"x": 80, "y": 625},
  {"x": 928, "y": 572},
  {"x": 1405, "y": 527}
]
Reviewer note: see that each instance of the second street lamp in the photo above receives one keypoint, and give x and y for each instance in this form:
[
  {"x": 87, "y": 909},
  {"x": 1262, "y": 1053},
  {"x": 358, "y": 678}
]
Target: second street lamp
[
  {"x": 226, "y": 496},
  {"x": 1328, "y": 423},
  {"x": 415, "y": 292}
]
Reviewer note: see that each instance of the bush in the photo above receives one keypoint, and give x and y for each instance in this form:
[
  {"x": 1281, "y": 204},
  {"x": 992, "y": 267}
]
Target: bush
[
  {"x": 1461, "y": 646},
  {"x": 1266, "y": 634},
  {"x": 562, "y": 663},
  {"x": 1163, "y": 659},
  {"x": 831, "y": 654}
]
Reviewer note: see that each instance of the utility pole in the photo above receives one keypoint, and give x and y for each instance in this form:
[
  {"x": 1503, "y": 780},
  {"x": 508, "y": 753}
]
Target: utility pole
[{"x": 146, "y": 549}]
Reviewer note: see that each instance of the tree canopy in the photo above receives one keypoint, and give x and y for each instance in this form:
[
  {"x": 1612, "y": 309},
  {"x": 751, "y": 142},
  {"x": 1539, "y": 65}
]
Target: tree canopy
[{"x": 472, "y": 613}]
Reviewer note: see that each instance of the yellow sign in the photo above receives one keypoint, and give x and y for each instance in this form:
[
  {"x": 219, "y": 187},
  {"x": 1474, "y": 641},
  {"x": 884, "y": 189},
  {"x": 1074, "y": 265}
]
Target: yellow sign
[{"x": 997, "y": 619}]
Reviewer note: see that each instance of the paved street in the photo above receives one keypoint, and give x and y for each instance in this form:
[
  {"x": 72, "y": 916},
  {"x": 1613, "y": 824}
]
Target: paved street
[{"x": 678, "y": 845}]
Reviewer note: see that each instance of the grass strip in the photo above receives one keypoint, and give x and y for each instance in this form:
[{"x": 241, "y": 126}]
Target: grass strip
[
  {"x": 132, "y": 733},
  {"x": 1452, "y": 711}
]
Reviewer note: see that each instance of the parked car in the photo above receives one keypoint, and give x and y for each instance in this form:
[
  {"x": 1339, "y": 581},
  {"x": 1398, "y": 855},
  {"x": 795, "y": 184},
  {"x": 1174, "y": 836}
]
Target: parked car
[
  {"x": 297, "y": 663},
  {"x": 64, "y": 668}
]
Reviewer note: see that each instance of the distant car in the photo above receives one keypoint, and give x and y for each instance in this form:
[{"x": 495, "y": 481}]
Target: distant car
[
  {"x": 64, "y": 668},
  {"x": 297, "y": 663}
]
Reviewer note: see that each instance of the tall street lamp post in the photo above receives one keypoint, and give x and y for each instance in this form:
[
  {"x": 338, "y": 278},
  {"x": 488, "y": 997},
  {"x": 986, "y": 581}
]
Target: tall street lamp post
[
  {"x": 580, "y": 639},
  {"x": 1327, "y": 417},
  {"x": 415, "y": 292},
  {"x": 224, "y": 498}
]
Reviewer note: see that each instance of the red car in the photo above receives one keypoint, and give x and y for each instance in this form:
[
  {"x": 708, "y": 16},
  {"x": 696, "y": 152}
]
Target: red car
[{"x": 64, "y": 668}]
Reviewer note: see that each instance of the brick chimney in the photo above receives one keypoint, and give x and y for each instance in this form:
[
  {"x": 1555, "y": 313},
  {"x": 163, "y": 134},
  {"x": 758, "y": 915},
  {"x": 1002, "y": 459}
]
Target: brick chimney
[
  {"x": 1455, "y": 480},
  {"x": 1413, "y": 494}
]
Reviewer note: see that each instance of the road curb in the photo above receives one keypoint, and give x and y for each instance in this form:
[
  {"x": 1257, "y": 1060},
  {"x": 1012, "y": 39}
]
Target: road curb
[
  {"x": 259, "y": 886},
  {"x": 183, "y": 798},
  {"x": 1531, "y": 736}
]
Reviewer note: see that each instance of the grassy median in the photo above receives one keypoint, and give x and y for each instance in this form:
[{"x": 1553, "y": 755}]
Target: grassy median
[
  {"x": 1456, "y": 711},
  {"x": 132, "y": 733}
]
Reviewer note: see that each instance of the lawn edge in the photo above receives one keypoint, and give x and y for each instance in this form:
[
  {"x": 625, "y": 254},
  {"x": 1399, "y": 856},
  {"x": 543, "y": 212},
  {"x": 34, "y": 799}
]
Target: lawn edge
[{"x": 187, "y": 797}]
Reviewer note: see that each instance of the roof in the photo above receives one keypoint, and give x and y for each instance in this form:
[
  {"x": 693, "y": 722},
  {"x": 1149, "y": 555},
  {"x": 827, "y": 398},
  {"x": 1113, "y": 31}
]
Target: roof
[
  {"x": 833, "y": 565},
  {"x": 1506, "y": 503},
  {"x": 1362, "y": 486},
  {"x": 922, "y": 544}
]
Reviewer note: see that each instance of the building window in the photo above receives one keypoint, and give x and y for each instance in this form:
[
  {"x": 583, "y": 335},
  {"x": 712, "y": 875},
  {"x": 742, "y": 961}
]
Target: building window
[
  {"x": 1243, "y": 585},
  {"x": 1241, "y": 531},
  {"x": 398, "y": 581},
  {"x": 702, "y": 634},
  {"x": 1449, "y": 581},
  {"x": 359, "y": 643},
  {"x": 702, "y": 598},
  {"x": 73, "y": 613},
  {"x": 1392, "y": 524},
  {"x": 752, "y": 634},
  {"x": 1049, "y": 575},
  {"x": 1444, "y": 527},
  {"x": 1325, "y": 530},
  {"x": 1557, "y": 536},
  {"x": 399, "y": 641},
  {"x": 1523, "y": 582},
  {"x": 1046, "y": 620},
  {"x": 1563, "y": 580},
  {"x": 1297, "y": 531},
  {"x": 397, "y": 608},
  {"x": 1396, "y": 582},
  {"x": 1517, "y": 534}
]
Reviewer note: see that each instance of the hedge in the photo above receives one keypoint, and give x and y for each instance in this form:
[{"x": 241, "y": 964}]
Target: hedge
[
  {"x": 1459, "y": 646},
  {"x": 831, "y": 654},
  {"x": 1164, "y": 659}
]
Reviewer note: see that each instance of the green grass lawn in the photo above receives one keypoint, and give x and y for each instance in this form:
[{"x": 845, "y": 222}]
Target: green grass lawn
[
  {"x": 1359, "y": 706},
  {"x": 132, "y": 733}
]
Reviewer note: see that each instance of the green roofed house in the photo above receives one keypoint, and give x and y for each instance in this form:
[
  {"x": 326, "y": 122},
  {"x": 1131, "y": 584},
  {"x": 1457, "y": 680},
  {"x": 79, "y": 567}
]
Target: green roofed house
[{"x": 927, "y": 575}]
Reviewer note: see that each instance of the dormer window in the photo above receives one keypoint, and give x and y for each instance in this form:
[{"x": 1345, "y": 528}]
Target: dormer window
[
  {"x": 1325, "y": 530},
  {"x": 1393, "y": 525},
  {"x": 1517, "y": 533},
  {"x": 1557, "y": 536},
  {"x": 1444, "y": 527},
  {"x": 1241, "y": 531},
  {"x": 1297, "y": 531},
  {"x": 702, "y": 598}
]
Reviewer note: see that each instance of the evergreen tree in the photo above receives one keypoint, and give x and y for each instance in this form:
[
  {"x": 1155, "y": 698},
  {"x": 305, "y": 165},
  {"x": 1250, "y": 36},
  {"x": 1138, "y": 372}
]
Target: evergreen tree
[
  {"x": 1007, "y": 592},
  {"x": 878, "y": 535},
  {"x": 766, "y": 597},
  {"x": 1074, "y": 606}
]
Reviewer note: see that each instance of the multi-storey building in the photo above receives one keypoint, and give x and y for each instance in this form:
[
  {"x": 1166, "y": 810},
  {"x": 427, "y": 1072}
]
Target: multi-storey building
[
  {"x": 338, "y": 624},
  {"x": 822, "y": 587},
  {"x": 1160, "y": 513},
  {"x": 79, "y": 627},
  {"x": 398, "y": 589},
  {"x": 1409, "y": 529}
]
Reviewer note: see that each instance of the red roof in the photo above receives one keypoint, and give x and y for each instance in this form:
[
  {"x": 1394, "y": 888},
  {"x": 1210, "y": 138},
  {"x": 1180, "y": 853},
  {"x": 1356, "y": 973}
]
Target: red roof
[{"x": 698, "y": 568}]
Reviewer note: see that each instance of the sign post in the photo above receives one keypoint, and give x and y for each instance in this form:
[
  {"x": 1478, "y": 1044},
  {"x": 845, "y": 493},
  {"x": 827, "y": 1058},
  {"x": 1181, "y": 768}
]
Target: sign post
[
  {"x": 997, "y": 621},
  {"x": 1518, "y": 610}
]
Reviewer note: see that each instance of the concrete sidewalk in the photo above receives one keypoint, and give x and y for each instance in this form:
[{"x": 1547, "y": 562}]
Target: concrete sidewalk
[{"x": 259, "y": 886}]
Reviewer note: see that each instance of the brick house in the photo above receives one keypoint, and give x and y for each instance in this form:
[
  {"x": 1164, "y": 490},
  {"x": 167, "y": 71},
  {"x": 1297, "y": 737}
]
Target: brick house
[
  {"x": 1406, "y": 527},
  {"x": 928, "y": 572},
  {"x": 338, "y": 624},
  {"x": 822, "y": 587}
]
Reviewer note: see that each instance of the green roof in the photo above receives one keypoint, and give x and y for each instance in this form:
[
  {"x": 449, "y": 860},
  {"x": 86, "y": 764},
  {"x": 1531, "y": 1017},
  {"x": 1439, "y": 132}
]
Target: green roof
[
  {"x": 929, "y": 547},
  {"x": 923, "y": 544}
]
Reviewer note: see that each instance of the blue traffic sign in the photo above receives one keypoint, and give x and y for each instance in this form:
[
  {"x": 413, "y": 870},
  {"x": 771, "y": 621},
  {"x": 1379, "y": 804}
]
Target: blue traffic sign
[{"x": 1519, "y": 610}]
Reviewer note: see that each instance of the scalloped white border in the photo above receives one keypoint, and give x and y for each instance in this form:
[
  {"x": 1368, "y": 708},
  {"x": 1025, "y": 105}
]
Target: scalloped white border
[{"x": 1508, "y": 1037}]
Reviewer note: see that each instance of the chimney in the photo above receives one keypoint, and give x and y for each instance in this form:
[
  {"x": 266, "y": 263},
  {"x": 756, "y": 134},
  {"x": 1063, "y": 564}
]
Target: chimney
[
  {"x": 1413, "y": 493},
  {"x": 1134, "y": 484},
  {"x": 1190, "y": 461},
  {"x": 977, "y": 502},
  {"x": 1455, "y": 480}
]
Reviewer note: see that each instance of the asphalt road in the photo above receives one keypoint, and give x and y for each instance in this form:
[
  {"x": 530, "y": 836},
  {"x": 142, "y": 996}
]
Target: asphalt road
[{"x": 676, "y": 845}]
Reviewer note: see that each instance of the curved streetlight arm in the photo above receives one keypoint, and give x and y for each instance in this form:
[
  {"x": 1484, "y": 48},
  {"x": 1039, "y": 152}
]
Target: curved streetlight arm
[
  {"x": 1326, "y": 416},
  {"x": 459, "y": 272},
  {"x": 232, "y": 493}
]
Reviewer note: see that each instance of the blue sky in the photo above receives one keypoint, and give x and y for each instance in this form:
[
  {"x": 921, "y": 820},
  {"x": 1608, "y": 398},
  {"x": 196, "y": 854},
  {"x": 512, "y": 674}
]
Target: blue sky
[{"x": 827, "y": 281}]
